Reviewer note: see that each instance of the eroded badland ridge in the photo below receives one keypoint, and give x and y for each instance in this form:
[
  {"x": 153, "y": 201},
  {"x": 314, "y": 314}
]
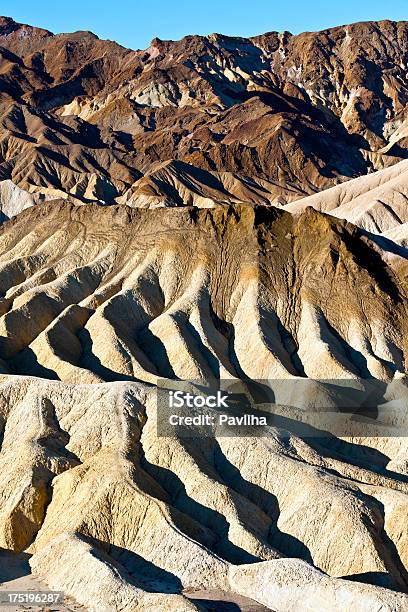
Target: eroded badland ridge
[
  {"x": 265, "y": 119},
  {"x": 211, "y": 208}
]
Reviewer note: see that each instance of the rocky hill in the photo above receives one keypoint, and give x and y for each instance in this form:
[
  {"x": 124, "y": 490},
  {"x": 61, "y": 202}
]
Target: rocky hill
[
  {"x": 86, "y": 117},
  {"x": 208, "y": 210},
  {"x": 96, "y": 294},
  {"x": 97, "y": 305}
]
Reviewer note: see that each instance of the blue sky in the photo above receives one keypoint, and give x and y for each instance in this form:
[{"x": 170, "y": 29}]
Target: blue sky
[{"x": 133, "y": 23}]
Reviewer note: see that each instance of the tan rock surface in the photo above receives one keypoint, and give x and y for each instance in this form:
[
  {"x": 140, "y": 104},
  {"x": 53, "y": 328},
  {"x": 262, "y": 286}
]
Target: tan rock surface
[
  {"x": 132, "y": 520},
  {"x": 289, "y": 584},
  {"x": 376, "y": 202},
  {"x": 196, "y": 271},
  {"x": 197, "y": 295}
]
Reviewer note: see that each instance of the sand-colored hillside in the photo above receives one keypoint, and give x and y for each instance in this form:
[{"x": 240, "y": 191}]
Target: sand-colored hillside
[
  {"x": 377, "y": 202},
  {"x": 103, "y": 302},
  {"x": 93, "y": 294}
]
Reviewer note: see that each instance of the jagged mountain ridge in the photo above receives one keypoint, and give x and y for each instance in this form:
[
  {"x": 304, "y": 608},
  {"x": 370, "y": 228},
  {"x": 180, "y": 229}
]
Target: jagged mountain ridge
[
  {"x": 102, "y": 301},
  {"x": 197, "y": 294},
  {"x": 88, "y": 118},
  {"x": 98, "y": 303}
]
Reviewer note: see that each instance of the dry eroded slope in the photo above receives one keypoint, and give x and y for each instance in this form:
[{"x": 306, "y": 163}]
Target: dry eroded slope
[
  {"x": 112, "y": 298},
  {"x": 94, "y": 294}
]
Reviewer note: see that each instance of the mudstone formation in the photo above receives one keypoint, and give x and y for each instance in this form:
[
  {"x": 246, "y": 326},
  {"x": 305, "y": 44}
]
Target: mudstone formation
[{"x": 211, "y": 208}]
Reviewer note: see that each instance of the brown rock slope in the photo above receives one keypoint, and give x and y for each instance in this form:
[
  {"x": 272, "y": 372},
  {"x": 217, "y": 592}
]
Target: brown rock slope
[
  {"x": 86, "y": 118},
  {"x": 113, "y": 298}
]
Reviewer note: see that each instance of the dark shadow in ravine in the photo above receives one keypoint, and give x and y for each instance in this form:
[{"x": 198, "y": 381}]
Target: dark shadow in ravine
[
  {"x": 91, "y": 362},
  {"x": 204, "y": 516},
  {"x": 353, "y": 358},
  {"x": 156, "y": 351},
  {"x": 285, "y": 543},
  {"x": 186, "y": 329},
  {"x": 289, "y": 350},
  {"x": 145, "y": 573},
  {"x": 365, "y": 457},
  {"x": 13, "y": 565},
  {"x": 26, "y": 363},
  {"x": 397, "y": 576},
  {"x": 215, "y": 605},
  {"x": 381, "y": 579},
  {"x": 135, "y": 569}
]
